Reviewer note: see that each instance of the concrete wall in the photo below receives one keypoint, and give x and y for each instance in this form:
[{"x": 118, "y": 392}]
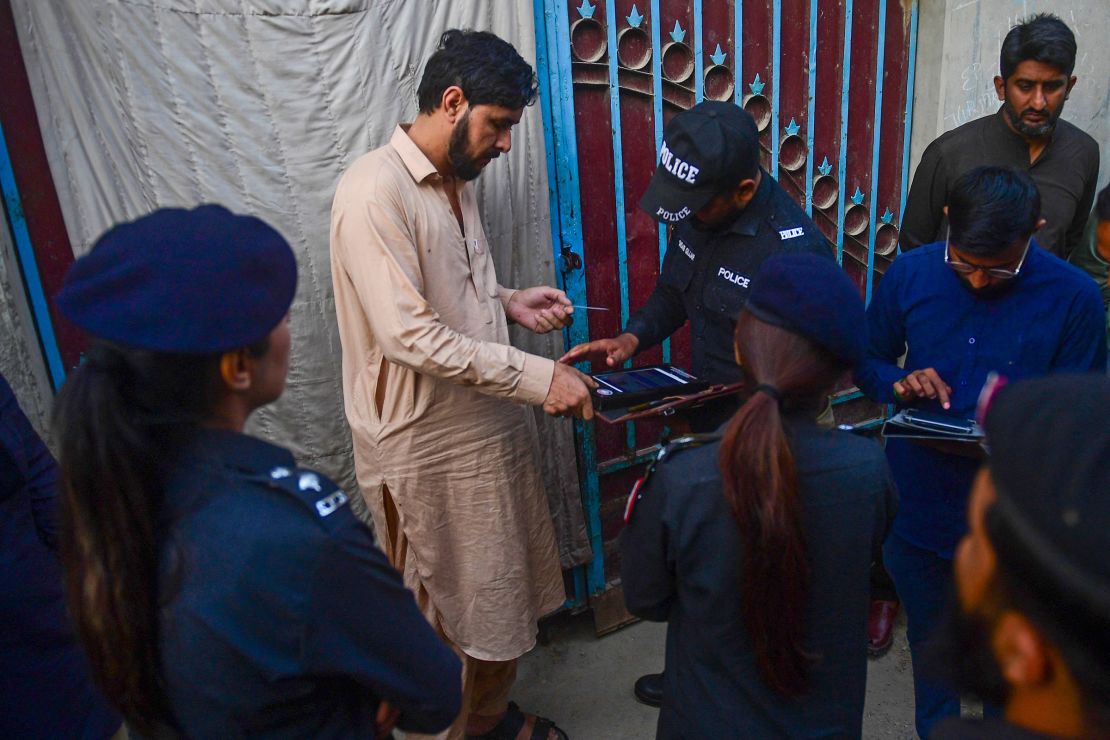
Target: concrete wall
[{"x": 957, "y": 59}]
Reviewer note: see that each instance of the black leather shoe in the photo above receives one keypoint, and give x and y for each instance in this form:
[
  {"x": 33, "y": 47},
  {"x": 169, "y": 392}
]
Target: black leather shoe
[{"x": 649, "y": 689}]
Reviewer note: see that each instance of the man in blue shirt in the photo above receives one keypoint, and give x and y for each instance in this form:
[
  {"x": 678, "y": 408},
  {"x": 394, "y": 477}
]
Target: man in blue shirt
[{"x": 989, "y": 299}]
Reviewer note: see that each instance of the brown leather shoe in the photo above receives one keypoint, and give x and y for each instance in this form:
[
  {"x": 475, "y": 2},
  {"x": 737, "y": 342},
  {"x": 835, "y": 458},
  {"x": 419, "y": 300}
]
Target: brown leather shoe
[{"x": 880, "y": 627}]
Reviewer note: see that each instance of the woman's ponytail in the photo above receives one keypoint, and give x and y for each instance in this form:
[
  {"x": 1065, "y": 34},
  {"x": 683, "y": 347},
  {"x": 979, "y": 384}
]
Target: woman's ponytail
[
  {"x": 761, "y": 486},
  {"x": 120, "y": 419}
]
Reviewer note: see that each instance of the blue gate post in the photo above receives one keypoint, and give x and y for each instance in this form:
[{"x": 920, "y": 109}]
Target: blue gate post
[
  {"x": 40, "y": 310},
  {"x": 560, "y": 140}
]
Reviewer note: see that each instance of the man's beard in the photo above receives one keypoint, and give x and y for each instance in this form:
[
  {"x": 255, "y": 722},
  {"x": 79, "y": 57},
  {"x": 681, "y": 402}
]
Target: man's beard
[
  {"x": 1031, "y": 131},
  {"x": 960, "y": 654},
  {"x": 462, "y": 164}
]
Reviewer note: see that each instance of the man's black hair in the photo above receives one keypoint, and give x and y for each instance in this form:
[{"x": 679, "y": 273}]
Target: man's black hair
[
  {"x": 1102, "y": 205},
  {"x": 992, "y": 208},
  {"x": 488, "y": 69},
  {"x": 1042, "y": 38},
  {"x": 1025, "y": 583}
]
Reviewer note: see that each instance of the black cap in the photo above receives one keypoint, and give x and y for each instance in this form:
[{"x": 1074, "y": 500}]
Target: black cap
[
  {"x": 1050, "y": 463},
  {"x": 706, "y": 150},
  {"x": 193, "y": 281},
  {"x": 810, "y": 295}
]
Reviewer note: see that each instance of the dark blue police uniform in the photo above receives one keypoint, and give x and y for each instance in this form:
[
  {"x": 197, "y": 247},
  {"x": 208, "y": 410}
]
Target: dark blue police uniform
[
  {"x": 707, "y": 275},
  {"x": 45, "y": 687},
  {"x": 282, "y": 618},
  {"x": 681, "y": 563}
]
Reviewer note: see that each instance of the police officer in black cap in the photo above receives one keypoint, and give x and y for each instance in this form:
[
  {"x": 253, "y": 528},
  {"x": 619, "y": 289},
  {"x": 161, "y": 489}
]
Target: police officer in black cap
[
  {"x": 728, "y": 216},
  {"x": 1030, "y": 630},
  {"x": 219, "y": 589}
]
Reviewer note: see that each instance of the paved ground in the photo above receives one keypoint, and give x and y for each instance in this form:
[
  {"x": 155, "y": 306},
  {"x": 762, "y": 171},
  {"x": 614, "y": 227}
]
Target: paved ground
[{"x": 584, "y": 682}]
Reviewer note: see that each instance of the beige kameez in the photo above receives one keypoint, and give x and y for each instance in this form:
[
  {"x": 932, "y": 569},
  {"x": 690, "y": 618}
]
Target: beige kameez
[{"x": 423, "y": 328}]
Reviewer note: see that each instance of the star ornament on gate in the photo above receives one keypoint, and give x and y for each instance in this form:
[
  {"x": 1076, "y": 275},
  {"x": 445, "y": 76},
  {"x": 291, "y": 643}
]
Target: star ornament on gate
[
  {"x": 678, "y": 33},
  {"x": 793, "y": 128},
  {"x": 756, "y": 86},
  {"x": 718, "y": 56},
  {"x": 635, "y": 18},
  {"x": 586, "y": 10},
  {"x": 887, "y": 216},
  {"x": 857, "y": 197},
  {"x": 825, "y": 168}
]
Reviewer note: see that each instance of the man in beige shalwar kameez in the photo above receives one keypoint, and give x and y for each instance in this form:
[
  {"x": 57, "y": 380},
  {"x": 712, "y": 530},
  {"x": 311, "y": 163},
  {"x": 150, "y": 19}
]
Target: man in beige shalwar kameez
[{"x": 444, "y": 453}]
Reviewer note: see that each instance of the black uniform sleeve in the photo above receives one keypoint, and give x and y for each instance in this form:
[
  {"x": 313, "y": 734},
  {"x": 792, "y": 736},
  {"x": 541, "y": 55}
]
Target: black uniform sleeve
[
  {"x": 664, "y": 313},
  {"x": 886, "y": 506},
  {"x": 1074, "y": 236},
  {"x": 363, "y": 623},
  {"x": 647, "y": 569},
  {"x": 925, "y": 202}
]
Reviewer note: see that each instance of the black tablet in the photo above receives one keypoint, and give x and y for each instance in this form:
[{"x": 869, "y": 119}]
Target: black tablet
[{"x": 643, "y": 385}]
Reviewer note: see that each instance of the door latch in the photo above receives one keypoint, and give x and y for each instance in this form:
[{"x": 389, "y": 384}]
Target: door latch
[{"x": 571, "y": 259}]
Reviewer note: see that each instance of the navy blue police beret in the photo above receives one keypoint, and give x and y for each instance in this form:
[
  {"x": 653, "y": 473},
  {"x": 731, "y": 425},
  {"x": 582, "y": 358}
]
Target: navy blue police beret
[
  {"x": 194, "y": 281},
  {"x": 810, "y": 295}
]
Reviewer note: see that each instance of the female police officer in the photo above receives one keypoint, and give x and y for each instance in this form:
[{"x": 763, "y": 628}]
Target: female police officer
[
  {"x": 220, "y": 590},
  {"x": 756, "y": 546}
]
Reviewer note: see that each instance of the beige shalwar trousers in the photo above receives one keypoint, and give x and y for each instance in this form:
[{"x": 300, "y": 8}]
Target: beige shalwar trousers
[{"x": 485, "y": 684}]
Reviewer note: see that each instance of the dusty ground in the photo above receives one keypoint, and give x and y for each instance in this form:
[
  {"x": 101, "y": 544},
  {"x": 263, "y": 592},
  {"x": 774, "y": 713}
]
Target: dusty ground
[{"x": 584, "y": 682}]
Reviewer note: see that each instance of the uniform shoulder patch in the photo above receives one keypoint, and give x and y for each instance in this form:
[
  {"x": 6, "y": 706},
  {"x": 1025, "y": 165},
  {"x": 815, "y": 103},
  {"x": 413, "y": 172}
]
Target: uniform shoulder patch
[{"x": 310, "y": 487}]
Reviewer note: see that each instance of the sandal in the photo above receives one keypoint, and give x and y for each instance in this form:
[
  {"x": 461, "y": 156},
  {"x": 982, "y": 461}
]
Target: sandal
[{"x": 509, "y": 727}]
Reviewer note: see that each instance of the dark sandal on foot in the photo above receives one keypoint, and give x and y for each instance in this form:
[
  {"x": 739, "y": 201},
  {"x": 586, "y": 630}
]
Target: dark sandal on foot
[{"x": 509, "y": 727}]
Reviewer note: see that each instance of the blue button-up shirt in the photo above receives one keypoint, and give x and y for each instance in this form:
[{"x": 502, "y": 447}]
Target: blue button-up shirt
[{"x": 1050, "y": 321}]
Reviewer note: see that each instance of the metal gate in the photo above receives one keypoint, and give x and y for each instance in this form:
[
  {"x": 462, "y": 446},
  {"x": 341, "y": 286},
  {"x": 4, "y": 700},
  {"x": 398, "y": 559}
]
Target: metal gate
[{"x": 828, "y": 82}]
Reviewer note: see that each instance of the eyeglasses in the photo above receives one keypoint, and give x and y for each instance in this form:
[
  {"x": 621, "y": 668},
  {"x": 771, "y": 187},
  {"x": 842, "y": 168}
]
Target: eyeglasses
[{"x": 966, "y": 268}]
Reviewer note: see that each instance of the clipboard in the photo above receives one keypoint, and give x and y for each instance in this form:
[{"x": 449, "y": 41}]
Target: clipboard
[
  {"x": 668, "y": 405},
  {"x": 916, "y": 424}
]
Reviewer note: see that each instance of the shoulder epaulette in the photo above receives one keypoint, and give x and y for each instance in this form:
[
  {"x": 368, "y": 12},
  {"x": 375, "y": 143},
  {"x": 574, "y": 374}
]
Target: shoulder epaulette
[
  {"x": 311, "y": 487},
  {"x": 673, "y": 447}
]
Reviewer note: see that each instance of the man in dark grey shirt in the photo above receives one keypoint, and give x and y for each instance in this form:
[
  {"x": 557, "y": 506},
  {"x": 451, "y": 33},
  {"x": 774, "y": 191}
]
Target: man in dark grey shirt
[{"x": 1027, "y": 133}]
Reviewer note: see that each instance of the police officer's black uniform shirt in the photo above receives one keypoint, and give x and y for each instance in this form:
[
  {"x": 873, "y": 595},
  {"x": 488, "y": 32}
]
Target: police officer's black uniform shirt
[
  {"x": 281, "y": 617},
  {"x": 706, "y": 277},
  {"x": 681, "y": 563}
]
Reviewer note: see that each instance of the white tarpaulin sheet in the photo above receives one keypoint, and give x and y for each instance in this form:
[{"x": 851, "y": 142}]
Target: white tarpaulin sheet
[{"x": 260, "y": 105}]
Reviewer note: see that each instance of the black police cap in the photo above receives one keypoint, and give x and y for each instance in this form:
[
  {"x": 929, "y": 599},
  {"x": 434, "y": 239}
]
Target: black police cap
[
  {"x": 191, "y": 281},
  {"x": 706, "y": 150}
]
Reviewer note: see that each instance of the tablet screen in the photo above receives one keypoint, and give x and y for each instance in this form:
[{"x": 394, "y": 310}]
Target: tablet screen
[{"x": 643, "y": 379}]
